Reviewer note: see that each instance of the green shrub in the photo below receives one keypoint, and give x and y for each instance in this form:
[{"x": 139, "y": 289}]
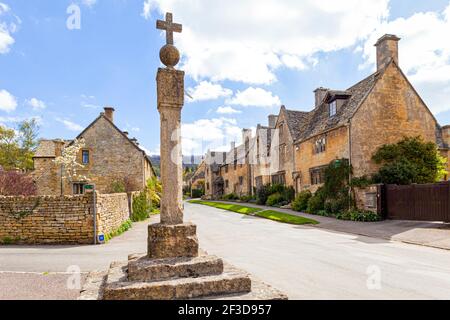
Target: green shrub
[
  {"x": 198, "y": 193},
  {"x": 246, "y": 198},
  {"x": 141, "y": 208},
  {"x": 316, "y": 202},
  {"x": 335, "y": 206},
  {"x": 274, "y": 199},
  {"x": 230, "y": 197},
  {"x": 263, "y": 193},
  {"x": 355, "y": 215},
  {"x": 301, "y": 201},
  {"x": 122, "y": 229}
]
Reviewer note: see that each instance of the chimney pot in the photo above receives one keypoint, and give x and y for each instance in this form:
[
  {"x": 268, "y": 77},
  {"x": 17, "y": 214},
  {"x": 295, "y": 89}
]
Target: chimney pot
[
  {"x": 109, "y": 113},
  {"x": 387, "y": 50},
  {"x": 320, "y": 94}
]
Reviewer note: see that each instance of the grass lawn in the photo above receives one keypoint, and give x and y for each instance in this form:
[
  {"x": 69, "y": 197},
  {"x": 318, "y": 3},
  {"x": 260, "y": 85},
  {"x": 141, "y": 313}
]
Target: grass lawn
[
  {"x": 225, "y": 206},
  {"x": 267, "y": 214},
  {"x": 284, "y": 217}
]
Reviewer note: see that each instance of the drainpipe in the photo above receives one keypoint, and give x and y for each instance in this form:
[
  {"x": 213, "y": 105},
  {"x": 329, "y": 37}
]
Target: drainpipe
[
  {"x": 95, "y": 214},
  {"x": 350, "y": 157}
]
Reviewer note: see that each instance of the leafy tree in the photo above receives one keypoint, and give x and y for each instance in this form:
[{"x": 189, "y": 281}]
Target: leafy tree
[
  {"x": 412, "y": 160},
  {"x": 154, "y": 190},
  {"x": 17, "y": 147}
]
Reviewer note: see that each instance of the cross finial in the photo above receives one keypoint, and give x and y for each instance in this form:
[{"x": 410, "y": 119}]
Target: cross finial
[{"x": 169, "y": 27}]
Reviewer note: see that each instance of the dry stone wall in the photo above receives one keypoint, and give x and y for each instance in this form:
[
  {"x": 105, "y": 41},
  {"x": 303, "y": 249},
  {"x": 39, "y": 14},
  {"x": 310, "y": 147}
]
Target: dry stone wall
[{"x": 60, "y": 219}]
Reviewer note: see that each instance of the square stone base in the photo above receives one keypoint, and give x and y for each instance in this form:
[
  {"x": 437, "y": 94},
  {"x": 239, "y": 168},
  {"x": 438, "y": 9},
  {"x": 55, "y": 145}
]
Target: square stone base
[{"x": 172, "y": 241}]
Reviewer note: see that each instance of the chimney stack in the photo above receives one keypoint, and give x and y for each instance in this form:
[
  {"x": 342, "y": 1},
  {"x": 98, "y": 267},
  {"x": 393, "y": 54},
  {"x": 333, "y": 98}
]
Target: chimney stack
[
  {"x": 272, "y": 120},
  {"x": 387, "y": 50},
  {"x": 320, "y": 94},
  {"x": 109, "y": 113},
  {"x": 246, "y": 134}
]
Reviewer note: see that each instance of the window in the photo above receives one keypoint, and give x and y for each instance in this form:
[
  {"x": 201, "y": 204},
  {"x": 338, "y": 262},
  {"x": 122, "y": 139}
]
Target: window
[
  {"x": 85, "y": 157},
  {"x": 207, "y": 186},
  {"x": 227, "y": 184},
  {"x": 241, "y": 180},
  {"x": 333, "y": 108},
  {"x": 317, "y": 175},
  {"x": 78, "y": 188},
  {"x": 226, "y": 168},
  {"x": 279, "y": 179},
  {"x": 259, "y": 182},
  {"x": 320, "y": 145},
  {"x": 235, "y": 164}
]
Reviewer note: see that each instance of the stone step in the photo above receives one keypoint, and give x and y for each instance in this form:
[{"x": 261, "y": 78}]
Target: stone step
[
  {"x": 117, "y": 286},
  {"x": 142, "y": 268}
]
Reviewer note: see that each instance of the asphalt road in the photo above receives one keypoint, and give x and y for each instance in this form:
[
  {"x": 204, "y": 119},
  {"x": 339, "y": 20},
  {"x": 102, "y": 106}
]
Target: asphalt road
[
  {"x": 313, "y": 263},
  {"x": 304, "y": 262}
]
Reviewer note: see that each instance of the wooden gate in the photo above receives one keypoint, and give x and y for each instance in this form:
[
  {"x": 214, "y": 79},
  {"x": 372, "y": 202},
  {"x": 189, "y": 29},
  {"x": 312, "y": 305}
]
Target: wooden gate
[{"x": 424, "y": 202}]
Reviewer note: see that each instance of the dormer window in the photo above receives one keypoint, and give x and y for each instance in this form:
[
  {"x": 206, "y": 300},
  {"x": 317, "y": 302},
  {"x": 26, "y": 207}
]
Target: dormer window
[{"x": 333, "y": 108}]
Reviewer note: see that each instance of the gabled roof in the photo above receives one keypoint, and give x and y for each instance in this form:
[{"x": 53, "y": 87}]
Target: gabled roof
[
  {"x": 304, "y": 125},
  {"x": 102, "y": 116},
  {"x": 296, "y": 121}
]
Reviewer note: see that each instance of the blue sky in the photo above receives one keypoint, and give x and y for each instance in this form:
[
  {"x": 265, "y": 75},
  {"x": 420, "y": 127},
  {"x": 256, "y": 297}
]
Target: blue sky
[{"x": 242, "y": 60}]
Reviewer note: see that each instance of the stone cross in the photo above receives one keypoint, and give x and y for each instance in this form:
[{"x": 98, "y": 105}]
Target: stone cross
[
  {"x": 170, "y": 85},
  {"x": 172, "y": 237},
  {"x": 169, "y": 27}
]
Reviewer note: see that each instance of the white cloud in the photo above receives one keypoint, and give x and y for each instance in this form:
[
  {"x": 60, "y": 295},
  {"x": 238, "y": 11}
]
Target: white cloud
[
  {"x": 89, "y": 3},
  {"x": 72, "y": 126},
  {"x": 3, "y": 8},
  {"x": 248, "y": 40},
  {"x": 90, "y": 106},
  {"x": 8, "y": 102},
  {"x": 256, "y": 97},
  {"x": 36, "y": 104},
  {"x": 208, "y": 91},
  {"x": 215, "y": 134},
  {"x": 227, "y": 110},
  {"x": 424, "y": 53},
  {"x": 6, "y": 29}
]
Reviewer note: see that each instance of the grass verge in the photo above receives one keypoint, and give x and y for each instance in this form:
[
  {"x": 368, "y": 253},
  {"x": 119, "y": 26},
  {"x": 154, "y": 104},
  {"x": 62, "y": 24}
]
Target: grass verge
[{"x": 266, "y": 214}]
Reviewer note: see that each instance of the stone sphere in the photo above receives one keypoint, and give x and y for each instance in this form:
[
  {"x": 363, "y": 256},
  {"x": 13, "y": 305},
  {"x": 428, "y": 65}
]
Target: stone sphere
[{"x": 169, "y": 55}]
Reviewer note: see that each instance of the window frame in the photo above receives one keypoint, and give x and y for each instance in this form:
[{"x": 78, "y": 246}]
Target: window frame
[
  {"x": 332, "y": 108},
  {"x": 83, "y": 152}
]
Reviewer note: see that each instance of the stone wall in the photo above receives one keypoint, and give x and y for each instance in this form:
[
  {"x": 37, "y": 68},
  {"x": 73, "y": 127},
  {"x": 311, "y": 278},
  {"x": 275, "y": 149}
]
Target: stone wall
[
  {"x": 366, "y": 198},
  {"x": 60, "y": 219},
  {"x": 112, "y": 211},
  {"x": 54, "y": 220}
]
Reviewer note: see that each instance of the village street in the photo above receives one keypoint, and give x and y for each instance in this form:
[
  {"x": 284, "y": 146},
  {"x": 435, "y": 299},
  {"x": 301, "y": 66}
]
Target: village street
[{"x": 305, "y": 262}]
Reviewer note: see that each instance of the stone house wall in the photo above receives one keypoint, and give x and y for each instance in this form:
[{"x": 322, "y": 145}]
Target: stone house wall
[
  {"x": 233, "y": 177},
  {"x": 285, "y": 147},
  {"x": 391, "y": 111},
  {"x": 112, "y": 157},
  {"x": 60, "y": 219},
  {"x": 306, "y": 158}
]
